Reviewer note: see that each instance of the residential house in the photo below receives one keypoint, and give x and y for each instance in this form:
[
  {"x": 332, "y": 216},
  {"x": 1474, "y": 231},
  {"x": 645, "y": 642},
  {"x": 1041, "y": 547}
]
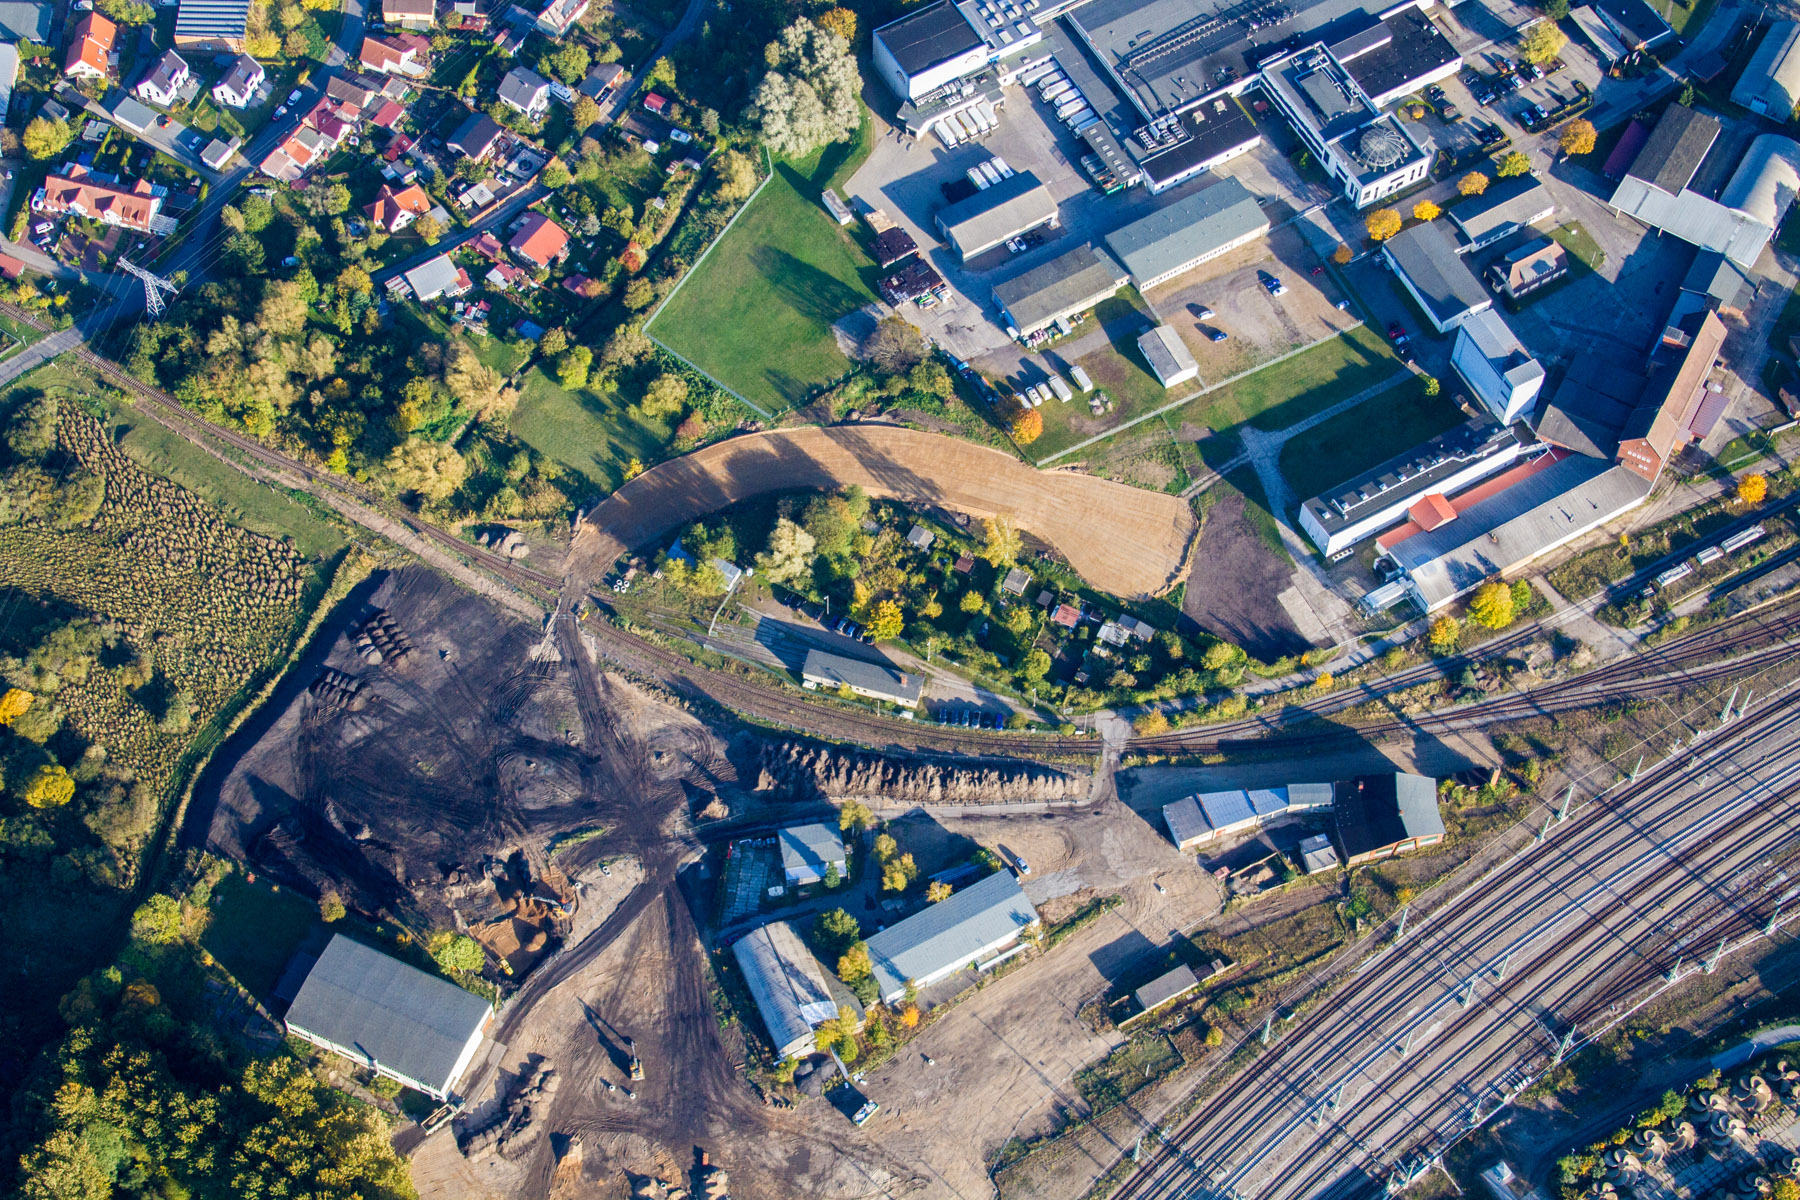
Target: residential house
[
  {"x": 399, "y": 54},
  {"x": 539, "y": 241},
  {"x": 559, "y": 16},
  {"x": 393, "y": 211},
  {"x": 504, "y": 276},
  {"x": 1524, "y": 270},
  {"x": 409, "y": 14},
  {"x": 437, "y": 279},
  {"x": 76, "y": 193},
  {"x": 525, "y": 91},
  {"x": 319, "y": 133},
  {"x": 91, "y": 47},
  {"x": 489, "y": 247},
  {"x": 601, "y": 80},
  {"x": 166, "y": 79},
  {"x": 476, "y": 137},
  {"x": 222, "y": 25},
  {"x": 584, "y": 287},
  {"x": 241, "y": 82},
  {"x": 655, "y": 103}
]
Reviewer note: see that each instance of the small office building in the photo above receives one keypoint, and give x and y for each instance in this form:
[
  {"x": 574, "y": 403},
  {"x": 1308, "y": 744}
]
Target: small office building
[
  {"x": 1178, "y": 237},
  {"x": 1017, "y": 204},
  {"x": 1429, "y": 267},
  {"x": 1494, "y": 364},
  {"x": 1066, "y": 286},
  {"x": 1168, "y": 357}
]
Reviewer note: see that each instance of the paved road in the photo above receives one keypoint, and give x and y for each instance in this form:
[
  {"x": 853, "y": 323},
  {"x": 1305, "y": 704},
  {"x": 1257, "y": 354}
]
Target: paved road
[
  {"x": 39, "y": 353},
  {"x": 1565, "y": 935}
]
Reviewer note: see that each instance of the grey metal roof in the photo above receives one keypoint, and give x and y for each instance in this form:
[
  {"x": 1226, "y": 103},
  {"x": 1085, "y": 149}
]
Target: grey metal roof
[
  {"x": 1635, "y": 21},
  {"x": 808, "y": 849},
  {"x": 1694, "y": 219},
  {"x": 1318, "y": 854},
  {"x": 1540, "y": 512},
  {"x": 475, "y": 136},
  {"x": 523, "y": 87},
  {"x": 1302, "y": 796},
  {"x": 1376, "y": 811},
  {"x": 787, "y": 984},
  {"x": 212, "y": 18},
  {"x": 1014, "y": 205},
  {"x": 432, "y": 277},
  {"x": 1185, "y": 820},
  {"x": 26, "y": 22},
  {"x": 1501, "y": 347},
  {"x": 416, "y": 1025},
  {"x": 1716, "y": 276},
  {"x": 133, "y": 114},
  {"x": 1440, "y": 278},
  {"x": 1591, "y": 405},
  {"x": 1192, "y": 226},
  {"x": 1235, "y": 807},
  {"x": 822, "y": 667},
  {"x": 1765, "y": 183},
  {"x": 1675, "y": 149},
  {"x": 1067, "y": 283},
  {"x": 1167, "y": 987},
  {"x": 932, "y": 35},
  {"x": 951, "y": 933},
  {"x": 1506, "y": 203},
  {"x": 1168, "y": 357},
  {"x": 1770, "y": 83}
]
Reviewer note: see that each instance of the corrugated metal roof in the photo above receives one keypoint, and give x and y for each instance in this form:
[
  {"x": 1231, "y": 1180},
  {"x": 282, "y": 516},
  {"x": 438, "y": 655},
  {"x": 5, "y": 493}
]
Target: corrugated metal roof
[
  {"x": 1507, "y": 202},
  {"x": 1014, "y": 205},
  {"x": 212, "y": 18},
  {"x": 1770, "y": 83},
  {"x": 1318, "y": 854},
  {"x": 416, "y": 1025},
  {"x": 1694, "y": 219},
  {"x": 1168, "y": 357},
  {"x": 1676, "y": 147},
  {"x": 874, "y": 677},
  {"x": 1165, "y": 988},
  {"x": 1765, "y": 183},
  {"x": 1376, "y": 811},
  {"x": 808, "y": 849},
  {"x": 1185, "y": 821},
  {"x": 786, "y": 982},
  {"x": 1069, "y": 282},
  {"x": 1308, "y": 795},
  {"x": 1440, "y": 279},
  {"x": 950, "y": 933},
  {"x": 1192, "y": 226},
  {"x": 1540, "y": 512}
]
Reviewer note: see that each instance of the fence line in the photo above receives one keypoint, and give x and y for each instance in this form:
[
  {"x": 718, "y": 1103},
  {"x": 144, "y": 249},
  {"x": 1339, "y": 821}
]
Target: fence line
[{"x": 689, "y": 274}]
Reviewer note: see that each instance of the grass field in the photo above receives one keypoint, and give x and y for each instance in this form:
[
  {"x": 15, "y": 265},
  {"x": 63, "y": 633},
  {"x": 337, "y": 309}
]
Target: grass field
[
  {"x": 592, "y": 433},
  {"x": 255, "y": 930},
  {"x": 1373, "y": 432},
  {"x": 1580, "y": 244},
  {"x": 757, "y": 314}
]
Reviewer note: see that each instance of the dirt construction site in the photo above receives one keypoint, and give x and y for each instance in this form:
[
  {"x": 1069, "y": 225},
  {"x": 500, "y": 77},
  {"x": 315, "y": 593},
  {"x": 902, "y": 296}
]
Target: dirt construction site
[
  {"x": 440, "y": 763},
  {"x": 1139, "y": 550}
]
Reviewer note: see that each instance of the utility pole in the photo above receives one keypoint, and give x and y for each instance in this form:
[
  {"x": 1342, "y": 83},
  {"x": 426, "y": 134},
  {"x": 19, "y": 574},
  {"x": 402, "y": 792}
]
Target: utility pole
[
  {"x": 1562, "y": 1047},
  {"x": 1268, "y": 1026},
  {"x": 1638, "y": 768},
  {"x": 1774, "y": 921},
  {"x": 1725, "y": 713},
  {"x": 1400, "y": 932},
  {"x": 1562, "y": 814},
  {"x": 154, "y": 287},
  {"x": 1712, "y": 964},
  {"x": 1549, "y": 819},
  {"x": 1468, "y": 996},
  {"x": 1675, "y": 971},
  {"x": 1500, "y": 972}
]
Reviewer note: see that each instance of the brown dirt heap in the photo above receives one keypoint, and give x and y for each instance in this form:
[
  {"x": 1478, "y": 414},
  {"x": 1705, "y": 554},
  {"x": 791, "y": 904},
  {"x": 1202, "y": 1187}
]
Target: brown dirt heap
[{"x": 810, "y": 771}]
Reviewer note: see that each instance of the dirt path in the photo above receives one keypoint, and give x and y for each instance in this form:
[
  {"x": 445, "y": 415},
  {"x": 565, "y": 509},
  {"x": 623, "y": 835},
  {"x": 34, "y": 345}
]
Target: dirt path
[{"x": 1122, "y": 540}]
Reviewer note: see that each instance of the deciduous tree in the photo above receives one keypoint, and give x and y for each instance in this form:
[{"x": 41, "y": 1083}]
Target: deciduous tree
[
  {"x": 1472, "y": 184},
  {"x": 855, "y": 817},
  {"x": 48, "y": 787},
  {"x": 1383, "y": 224},
  {"x": 572, "y": 367},
  {"x": 1492, "y": 605},
  {"x": 1027, "y": 426},
  {"x": 790, "y": 554},
  {"x": 458, "y": 954},
  {"x": 665, "y": 395},
  {"x": 432, "y": 470},
  {"x": 854, "y": 964},
  {"x": 1542, "y": 42},
  {"x": 1578, "y": 137},
  {"x": 886, "y": 621},
  {"x": 895, "y": 346},
  {"x": 45, "y": 139},
  {"x": 13, "y": 705},
  {"x": 1752, "y": 489},
  {"x": 1515, "y": 163},
  {"x": 1446, "y": 633},
  {"x": 809, "y": 96},
  {"x": 937, "y": 890},
  {"x": 735, "y": 175},
  {"x": 1425, "y": 210},
  {"x": 1000, "y": 542}
]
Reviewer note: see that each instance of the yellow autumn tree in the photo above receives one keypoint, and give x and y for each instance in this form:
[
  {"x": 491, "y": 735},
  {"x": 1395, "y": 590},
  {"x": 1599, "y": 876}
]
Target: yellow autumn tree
[
  {"x": 1578, "y": 137},
  {"x": 1383, "y": 224},
  {"x": 1445, "y": 634},
  {"x": 1751, "y": 489},
  {"x": 49, "y": 787},
  {"x": 840, "y": 21},
  {"x": 1472, "y": 184},
  {"x": 1028, "y": 426},
  {"x": 14, "y": 704},
  {"x": 939, "y": 890},
  {"x": 1492, "y": 605},
  {"x": 1425, "y": 210}
]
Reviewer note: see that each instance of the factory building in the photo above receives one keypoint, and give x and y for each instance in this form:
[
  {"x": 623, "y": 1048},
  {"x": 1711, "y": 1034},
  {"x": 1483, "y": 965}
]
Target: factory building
[
  {"x": 787, "y": 984},
  {"x": 978, "y": 927},
  {"x": 1379, "y": 816}
]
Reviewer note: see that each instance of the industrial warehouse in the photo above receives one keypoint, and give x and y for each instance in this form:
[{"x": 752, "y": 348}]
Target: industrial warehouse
[
  {"x": 1374, "y": 817},
  {"x": 978, "y": 928}
]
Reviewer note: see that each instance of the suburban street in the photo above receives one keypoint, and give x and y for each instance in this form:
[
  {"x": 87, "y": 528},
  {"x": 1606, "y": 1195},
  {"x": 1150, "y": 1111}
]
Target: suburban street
[{"x": 1460, "y": 1011}]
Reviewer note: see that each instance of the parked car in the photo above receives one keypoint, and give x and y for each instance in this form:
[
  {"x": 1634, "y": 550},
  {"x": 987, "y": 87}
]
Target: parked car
[
  {"x": 1218, "y": 335},
  {"x": 1204, "y": 313},
  {"x": 1275, "y": 286},
  {"x": 1396, "y": 331}
]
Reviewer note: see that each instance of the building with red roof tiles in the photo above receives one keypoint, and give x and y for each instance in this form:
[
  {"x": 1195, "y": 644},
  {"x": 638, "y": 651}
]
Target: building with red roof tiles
[
  {"x": 393, "y": 211},
  {"x": 77, "y": 194},
  {"x": 401, "y": 54},
  {"x": 584, "y": 287},
  {"x": 489, "y": 247},
  {"x": 540, "y": 241},
  {"x": 388, "y": 115},
  {"x": 90, "y": 47}
]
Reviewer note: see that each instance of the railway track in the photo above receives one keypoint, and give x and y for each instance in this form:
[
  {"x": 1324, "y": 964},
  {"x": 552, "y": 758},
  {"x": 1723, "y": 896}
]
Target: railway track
[
  {"x": 776, "y": 706},
  {"x": 1456, "y": 940}
]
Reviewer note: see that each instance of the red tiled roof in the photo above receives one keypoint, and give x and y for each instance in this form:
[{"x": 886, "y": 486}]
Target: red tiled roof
[
  {"x": 91, "y": 42},
  {"x": 540, "y": 240},
  {"x": 389, "y": 205},
  {"x": 132, "y": 209},
  {"x": 1463, "y": 501},
  {"x": 1066, "y": 614},
  {"x": 384, "y": 54},
  {"x": 488, "y": 246},
  {"x": 582, "y": 286},
  {"x": 387, "y": 115},
  {"x": 1430, "y": 512},
  {"x": 11, "y": 267}
]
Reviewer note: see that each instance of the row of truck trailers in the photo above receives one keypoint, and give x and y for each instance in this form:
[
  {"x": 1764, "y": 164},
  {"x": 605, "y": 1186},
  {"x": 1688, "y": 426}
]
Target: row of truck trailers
[
  {"x": 1035, "y": 395},
  {"x": 1054, "y": 88},
  {"x": 1709, "y": 554}
]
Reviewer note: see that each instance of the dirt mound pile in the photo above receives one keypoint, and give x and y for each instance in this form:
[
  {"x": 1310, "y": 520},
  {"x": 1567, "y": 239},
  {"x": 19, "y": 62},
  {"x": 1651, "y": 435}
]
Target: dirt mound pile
[
  {"x": 810, "y": 771},
  {"x": 516, "y": 1126}
]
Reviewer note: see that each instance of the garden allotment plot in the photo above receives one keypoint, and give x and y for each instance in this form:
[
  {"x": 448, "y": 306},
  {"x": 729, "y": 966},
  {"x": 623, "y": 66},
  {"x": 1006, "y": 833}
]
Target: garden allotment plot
[{"x": 757, "y": 313}]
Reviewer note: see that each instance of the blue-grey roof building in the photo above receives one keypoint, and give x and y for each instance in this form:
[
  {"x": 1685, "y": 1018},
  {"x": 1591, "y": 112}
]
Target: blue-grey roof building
[
  {"x": 788, "y": 985},
  {"x": 376, "y": 1010},
  {"x": 875, "y": 681},
  {"x": 979, "y": 926},
  {"x": 807, "y": 851},
  {"x": 1180, "y": 236}
]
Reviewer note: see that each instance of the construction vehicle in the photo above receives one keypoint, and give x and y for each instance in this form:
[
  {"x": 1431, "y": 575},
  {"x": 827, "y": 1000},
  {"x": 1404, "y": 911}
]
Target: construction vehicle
[{"x": 637, "y": 1064}]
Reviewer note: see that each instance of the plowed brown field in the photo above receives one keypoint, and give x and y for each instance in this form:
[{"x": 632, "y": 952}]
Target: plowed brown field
[{"x": 1122, "y": 540}]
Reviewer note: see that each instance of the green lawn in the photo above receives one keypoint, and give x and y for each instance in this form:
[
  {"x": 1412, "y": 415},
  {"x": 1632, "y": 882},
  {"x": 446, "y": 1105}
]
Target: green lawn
[
  {"x": 255, "y": 930},
  {"x": 593, "y": 433},
  {"x": 1371, "y": 433},
  {"x": 1580, "y": 244},
  {"x": 757, "y": 314},
  {"x": 1272, "y": 397}
]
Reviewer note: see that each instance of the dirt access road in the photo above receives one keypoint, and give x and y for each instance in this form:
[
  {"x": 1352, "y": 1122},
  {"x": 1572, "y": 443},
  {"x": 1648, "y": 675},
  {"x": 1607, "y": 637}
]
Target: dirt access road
[{"x": 1124, "y": 541}]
